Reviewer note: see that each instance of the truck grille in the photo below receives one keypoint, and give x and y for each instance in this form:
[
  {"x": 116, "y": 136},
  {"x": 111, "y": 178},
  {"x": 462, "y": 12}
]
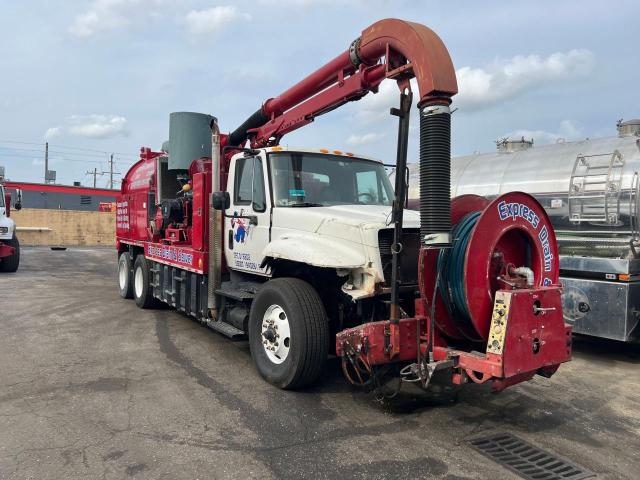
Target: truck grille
[{"x": 408, "y": 258}]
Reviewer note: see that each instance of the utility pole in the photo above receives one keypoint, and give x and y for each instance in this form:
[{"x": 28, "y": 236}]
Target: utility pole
[
  {"x": 95, "y": 174},
  {"x": 111, "y": 171},
  {"x": 46, "y": 161}
]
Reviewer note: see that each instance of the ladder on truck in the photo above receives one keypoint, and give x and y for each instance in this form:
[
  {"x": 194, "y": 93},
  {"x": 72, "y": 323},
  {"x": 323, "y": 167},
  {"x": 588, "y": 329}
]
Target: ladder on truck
[{"x": 594, "y": 188}]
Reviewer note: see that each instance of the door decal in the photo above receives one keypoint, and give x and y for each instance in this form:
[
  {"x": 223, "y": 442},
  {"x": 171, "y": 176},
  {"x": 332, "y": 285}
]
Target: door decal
[{"x": 241, "y": 229}]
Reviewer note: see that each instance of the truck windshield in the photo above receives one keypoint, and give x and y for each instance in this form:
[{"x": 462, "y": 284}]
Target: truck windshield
[
  {"x": 301, "y": 179},
  {"x": 1, "y": 197}
]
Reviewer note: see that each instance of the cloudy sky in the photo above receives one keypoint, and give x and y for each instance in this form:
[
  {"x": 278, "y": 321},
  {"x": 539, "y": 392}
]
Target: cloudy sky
[{"x": 94, "y": 77}]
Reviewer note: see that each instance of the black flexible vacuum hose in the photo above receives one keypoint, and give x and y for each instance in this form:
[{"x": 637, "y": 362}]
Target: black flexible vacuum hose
[
  {"x": 240, "y": 135},
  {"x": 435, "y": 175}
]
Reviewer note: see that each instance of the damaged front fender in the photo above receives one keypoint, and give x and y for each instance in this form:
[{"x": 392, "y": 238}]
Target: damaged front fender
[
  {"x": 316, "y": 251},
  {"x": 350, "y": 260}
]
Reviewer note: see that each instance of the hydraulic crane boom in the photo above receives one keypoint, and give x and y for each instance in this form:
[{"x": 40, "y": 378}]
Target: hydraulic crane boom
[{"x": 389, "y": 48}]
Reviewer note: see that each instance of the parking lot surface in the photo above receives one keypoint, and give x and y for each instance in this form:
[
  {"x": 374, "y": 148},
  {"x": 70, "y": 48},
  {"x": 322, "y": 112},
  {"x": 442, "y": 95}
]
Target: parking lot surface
[{"x": 93, "y": 387}]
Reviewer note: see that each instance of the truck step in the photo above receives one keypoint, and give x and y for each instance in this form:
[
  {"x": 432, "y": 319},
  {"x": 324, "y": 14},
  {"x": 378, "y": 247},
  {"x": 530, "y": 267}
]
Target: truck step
[
  {"x": 237, "y": 291},
  {"x": 226, "y": 329}
]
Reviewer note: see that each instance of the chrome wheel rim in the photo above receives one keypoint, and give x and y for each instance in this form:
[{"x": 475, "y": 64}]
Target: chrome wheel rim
[
  {"x": 122, "y": 274},
  {"x": 276, "y": 334},
  {"x": 137, "y": 283}
]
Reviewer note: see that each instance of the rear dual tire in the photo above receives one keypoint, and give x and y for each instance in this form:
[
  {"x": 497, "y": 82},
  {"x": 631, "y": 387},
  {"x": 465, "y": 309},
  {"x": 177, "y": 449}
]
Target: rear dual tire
[
  {"x": 142, "y": 289},
  {"x": 125, "y": 284}
]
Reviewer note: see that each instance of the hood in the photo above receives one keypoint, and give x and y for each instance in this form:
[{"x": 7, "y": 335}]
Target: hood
[{"x": 355, "y": 223}]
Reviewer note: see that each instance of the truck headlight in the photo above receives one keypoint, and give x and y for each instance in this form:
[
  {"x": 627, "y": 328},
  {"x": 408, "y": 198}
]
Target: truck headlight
[{"x": 4, "y": 229}]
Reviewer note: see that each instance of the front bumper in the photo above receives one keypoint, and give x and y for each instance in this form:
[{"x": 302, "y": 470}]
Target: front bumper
[
  {"x": 528, "y": 336},
  {"x": 6, "y": 250}
]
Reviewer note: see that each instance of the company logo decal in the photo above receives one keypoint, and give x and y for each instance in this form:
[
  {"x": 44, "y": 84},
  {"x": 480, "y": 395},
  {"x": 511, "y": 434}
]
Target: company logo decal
[
  {"x": 515, "y": 210},
  {"x": 518, "y": 210},
  {"x": 241, "y": 228},
  {"x": 171, "y": 254}
]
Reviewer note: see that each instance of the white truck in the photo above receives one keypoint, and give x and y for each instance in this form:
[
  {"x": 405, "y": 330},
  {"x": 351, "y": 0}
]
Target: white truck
[{"x": 9, "y": 245}]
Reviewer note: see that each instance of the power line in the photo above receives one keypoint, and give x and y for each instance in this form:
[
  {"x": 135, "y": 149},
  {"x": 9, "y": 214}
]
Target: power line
[
  {"x": 75, "y": 154},
  {"x": 42, "y": 144},
  {"x": 9, "y": 156}
]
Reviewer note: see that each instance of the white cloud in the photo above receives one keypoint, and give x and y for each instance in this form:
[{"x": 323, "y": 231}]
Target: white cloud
[
  {"x": 53, "y": 132},
  {"x": 104, "y": 15},
  {"x": 213, "y": 20},
  {"x": 90, "y": 126},
  {"x": 482, "y": 87},
  {"x": 504, "y": 79},
  {"x": 365, "y": 139},
  {"x": 566, "y": 131},
  {"x": 101, "y": 15}
]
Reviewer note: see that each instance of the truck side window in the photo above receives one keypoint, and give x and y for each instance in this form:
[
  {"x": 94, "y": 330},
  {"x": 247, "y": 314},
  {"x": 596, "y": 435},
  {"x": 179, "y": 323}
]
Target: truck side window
[
  {"x": 259, "y": 199},
  {"x": 249, "y": 183},
  {"x": 243, "y": 193}
]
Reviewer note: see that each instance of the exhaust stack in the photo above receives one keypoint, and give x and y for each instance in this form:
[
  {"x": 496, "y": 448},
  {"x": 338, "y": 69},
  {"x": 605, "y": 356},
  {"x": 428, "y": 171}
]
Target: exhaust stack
[{"x": 215, "y": 226}]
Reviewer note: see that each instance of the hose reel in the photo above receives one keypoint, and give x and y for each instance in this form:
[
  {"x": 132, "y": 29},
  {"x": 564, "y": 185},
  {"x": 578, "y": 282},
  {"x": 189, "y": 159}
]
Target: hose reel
[{"x": 507, "y": 243}]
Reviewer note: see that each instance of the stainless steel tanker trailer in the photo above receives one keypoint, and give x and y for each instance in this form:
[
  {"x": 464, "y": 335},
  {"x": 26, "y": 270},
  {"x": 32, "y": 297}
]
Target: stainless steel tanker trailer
[{"x": 590, "y": 190}]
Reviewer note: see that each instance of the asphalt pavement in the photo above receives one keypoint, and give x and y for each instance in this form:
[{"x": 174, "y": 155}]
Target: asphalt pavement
[{"x": 93, "y": 387}]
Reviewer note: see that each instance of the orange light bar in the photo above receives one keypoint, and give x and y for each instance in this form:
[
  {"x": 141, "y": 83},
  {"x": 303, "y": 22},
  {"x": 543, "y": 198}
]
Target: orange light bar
[
  {"x": 625, "y": 277},
  {"x": 337, "y": 152},
  {"x": 348, "y": 154},
  {"x": 276, "y": 149},
  {"x": 324, "y": 150}
]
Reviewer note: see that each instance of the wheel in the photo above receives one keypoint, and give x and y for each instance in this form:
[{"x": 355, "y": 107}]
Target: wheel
[
  {"x": 10, "y": 264},
  {"x": 125, "y": 286},
  {"x": 142, "y": 289},
  {"x": 288, "y": 333}
]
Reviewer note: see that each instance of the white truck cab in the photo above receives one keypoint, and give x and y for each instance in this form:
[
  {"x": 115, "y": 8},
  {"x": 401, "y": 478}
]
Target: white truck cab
[
  {"x": 9, "y": 246},
  {"x": 7, "y": 225},
  {"x": 320, "y": 209}
]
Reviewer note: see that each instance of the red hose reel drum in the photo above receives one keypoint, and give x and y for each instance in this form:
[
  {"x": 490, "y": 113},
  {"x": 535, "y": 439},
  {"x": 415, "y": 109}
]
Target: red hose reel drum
[{"x": 512, "y": 231}]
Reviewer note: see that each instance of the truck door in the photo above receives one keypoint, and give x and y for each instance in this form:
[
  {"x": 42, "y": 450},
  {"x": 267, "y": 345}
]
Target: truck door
[{"x": 247, "y": 221}]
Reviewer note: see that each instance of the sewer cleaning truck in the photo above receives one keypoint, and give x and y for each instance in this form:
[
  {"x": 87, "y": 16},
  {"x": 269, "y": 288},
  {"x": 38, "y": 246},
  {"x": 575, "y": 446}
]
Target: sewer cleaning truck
[{"x": 309, "y": 252}]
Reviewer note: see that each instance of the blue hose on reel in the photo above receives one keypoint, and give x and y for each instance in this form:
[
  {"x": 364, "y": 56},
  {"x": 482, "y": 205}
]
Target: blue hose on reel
[{"x": 451, "y": 268}]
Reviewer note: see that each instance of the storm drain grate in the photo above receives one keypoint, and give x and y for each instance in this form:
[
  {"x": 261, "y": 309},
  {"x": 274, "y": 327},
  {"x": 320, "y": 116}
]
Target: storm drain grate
[{"x": 526, "y": 460}]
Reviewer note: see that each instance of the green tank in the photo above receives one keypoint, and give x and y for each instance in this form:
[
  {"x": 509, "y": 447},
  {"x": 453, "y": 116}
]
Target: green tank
[{"x": 189, "y": 138}]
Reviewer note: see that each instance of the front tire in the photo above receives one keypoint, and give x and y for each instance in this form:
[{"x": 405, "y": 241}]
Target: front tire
[
  {"x": 288, "y": 333},
  {"x": 125, "y": 285},
  {"x": 142, "y": 289},
  {"x": 10, "y": 264}
]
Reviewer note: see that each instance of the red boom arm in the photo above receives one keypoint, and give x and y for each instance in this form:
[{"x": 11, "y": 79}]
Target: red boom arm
[{"x": 389, "y": 48}]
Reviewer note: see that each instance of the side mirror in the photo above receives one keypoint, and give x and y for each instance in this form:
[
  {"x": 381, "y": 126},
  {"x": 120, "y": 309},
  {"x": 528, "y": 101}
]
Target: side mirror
[
  {"x": 18, "y": 203},
  {"x": 220, "y": 200}
]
